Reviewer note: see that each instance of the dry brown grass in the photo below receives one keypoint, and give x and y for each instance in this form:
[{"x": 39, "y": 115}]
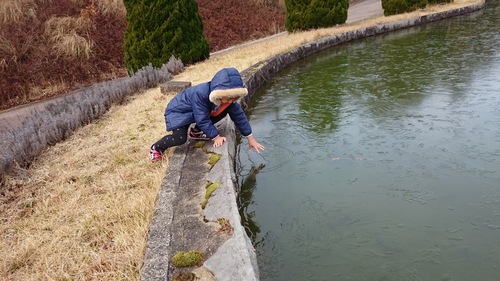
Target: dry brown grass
[
  {"x": 16, "y": 11},
  {"x": 82, "y": 212},
  {"x": 59, "y": 26},
  {"x": 7, "y": 50},
  {"x": 115, "y": 7},
  {"x": 9, "y": 53},
  {"x": 49, "y": 40},
  {"x": 73, "y": 45},
  {"x": 84, "y": 208},
  {"x": 38, "y": 92},
  {"x": 65, "y": 33}
]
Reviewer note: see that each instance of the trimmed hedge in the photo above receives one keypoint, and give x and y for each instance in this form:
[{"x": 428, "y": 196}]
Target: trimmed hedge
[
  {"x": 393, "y": 7},
  {"x": 159, "y": 29},
  {"x": 310, "y": 14}
]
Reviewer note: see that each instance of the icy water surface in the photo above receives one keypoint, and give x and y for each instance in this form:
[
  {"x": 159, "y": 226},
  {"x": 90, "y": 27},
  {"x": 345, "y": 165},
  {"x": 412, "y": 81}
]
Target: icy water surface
[{"x": 382, "y": 159}]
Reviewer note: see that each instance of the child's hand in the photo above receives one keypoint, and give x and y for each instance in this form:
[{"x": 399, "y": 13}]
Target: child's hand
[
  {"x": 252, "y": 143},
  {"x": 218, "y": 141}
]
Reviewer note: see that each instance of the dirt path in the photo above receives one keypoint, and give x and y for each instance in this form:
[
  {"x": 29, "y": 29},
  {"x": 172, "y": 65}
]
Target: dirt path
[{"x": 364, "y": 9}]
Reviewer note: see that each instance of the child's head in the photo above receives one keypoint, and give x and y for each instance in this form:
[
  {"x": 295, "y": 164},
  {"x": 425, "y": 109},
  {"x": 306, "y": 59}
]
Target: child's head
[{"x": 227, "y": 83}]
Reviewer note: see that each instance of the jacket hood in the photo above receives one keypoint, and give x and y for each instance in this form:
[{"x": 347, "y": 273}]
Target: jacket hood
[{"x": 227, "y": 82}]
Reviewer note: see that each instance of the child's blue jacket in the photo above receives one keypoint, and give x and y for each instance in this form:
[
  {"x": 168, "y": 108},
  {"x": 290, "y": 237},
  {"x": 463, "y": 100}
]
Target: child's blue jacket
[{"x": 194, "y": 104}]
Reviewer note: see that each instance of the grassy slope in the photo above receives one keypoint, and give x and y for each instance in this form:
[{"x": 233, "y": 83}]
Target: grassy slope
[{"x": 82, "y": 211}]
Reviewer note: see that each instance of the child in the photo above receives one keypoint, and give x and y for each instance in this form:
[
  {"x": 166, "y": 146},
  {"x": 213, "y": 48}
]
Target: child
[{"x": 205, "y": 105}]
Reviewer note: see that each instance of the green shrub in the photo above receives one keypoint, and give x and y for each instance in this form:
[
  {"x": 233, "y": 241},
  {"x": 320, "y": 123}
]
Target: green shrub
[
  {"x": 393, "y": 7},
  {"x": 159, "y": 29},
  {"x": 310, "y": 14},
  {"x": 432, "y": 2}
]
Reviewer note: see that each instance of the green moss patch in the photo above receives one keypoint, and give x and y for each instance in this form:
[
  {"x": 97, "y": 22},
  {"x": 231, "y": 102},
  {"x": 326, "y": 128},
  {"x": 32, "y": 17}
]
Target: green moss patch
[
  {"x": 188, "y": 259},
  {"x": 210, "y": 188},
  {"x": 199, "y": 144},
  {"x": 257, "y": 67},
  {"x": 214, "y": 158}
]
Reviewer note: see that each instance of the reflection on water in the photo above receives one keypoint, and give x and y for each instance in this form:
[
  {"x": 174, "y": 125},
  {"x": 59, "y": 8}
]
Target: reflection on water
[{"x": 382, "y": 159}]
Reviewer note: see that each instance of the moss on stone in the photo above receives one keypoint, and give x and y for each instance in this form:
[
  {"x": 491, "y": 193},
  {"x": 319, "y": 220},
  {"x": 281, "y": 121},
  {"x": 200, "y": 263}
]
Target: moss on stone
[
  {"x": 225, "y": 226},
  {"x": 210, "y": 188},
  {"x": 188, "y": 259},
  {"x": 257, "y": 67},
  {"x": 214, "y": 158},
  {"x": 199, "y": 144}
]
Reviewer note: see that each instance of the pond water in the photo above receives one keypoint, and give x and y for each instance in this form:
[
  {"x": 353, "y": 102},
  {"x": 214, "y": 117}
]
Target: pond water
[{"x": 382, "y": 159}]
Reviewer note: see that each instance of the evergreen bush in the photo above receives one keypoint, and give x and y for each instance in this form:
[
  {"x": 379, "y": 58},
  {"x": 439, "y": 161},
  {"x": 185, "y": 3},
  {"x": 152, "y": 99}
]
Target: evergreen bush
[
  {"x": 393, "y": 7},
  {"x": 310, "y": 14},
  {"x": 159, "y": 29}
]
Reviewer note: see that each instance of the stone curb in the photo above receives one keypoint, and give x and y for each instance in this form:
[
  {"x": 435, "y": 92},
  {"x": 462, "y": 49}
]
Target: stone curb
[{"x": 235, "y": 259}]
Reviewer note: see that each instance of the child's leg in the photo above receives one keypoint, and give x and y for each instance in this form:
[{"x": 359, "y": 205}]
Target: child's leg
[{"x": 178, "y": 137}]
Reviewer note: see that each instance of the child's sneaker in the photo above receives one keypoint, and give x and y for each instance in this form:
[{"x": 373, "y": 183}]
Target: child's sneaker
[
  {"x": 197, "y": 135},
  {"x": 155, "y": 155}
]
